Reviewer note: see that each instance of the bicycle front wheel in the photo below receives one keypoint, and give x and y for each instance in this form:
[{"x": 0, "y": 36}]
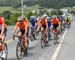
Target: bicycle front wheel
[{"x": 19, "y": 51}]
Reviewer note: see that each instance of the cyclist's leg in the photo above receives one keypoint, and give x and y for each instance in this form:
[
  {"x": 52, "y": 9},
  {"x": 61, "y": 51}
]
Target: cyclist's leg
[
  {"x": 3, "y": 39},
  {"x": 20, "y": 34},
  {"x": 25, "y": 39},
  {"x": 46, "y": 33},
  {"x": 56, "y": 30},
  {"x": 33, "y": 32}
]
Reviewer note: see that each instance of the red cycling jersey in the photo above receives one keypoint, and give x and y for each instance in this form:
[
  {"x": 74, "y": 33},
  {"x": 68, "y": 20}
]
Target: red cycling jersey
[{"x": 2, "y": 22}]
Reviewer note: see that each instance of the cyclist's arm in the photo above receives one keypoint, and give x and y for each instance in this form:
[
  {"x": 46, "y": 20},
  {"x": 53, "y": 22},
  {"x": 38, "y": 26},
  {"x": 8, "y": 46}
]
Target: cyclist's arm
[
  {"x": 59, "y": 22},
  {"x": 27, "y": 22},
  {"x": 2, "y": 30},
  {"x": 15, "y": 28},
  {"x": 26, "y": 28}
]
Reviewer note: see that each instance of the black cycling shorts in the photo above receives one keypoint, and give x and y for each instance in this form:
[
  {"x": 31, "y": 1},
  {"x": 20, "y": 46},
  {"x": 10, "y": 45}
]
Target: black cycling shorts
[
  {"x": 22, "y": 31},
  {"x": 5, "y": 31},
  {"x": 55, "y": 26},
  {"x": 44, "y": 26}
]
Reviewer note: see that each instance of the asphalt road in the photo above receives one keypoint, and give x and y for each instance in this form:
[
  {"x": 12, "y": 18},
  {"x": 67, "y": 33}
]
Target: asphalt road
[
  {"x": 67, "y": 51},
  {"x": 35, "y": 52}
]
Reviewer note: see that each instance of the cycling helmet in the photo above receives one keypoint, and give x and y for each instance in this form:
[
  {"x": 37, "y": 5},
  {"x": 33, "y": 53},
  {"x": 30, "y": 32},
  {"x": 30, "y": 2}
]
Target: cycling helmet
[
  {"x": 32, "y": 17},
  {"x": 20, "y": 18},
  {"x": 48, "y": 18}
]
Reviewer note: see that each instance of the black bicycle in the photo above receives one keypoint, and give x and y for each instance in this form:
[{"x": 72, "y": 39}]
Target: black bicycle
[
  {"x": 32, "y": 34},
  {"x": 49, "y": 35},
  {"x": 5, "y": 50},
  {"x": 21, "y": 50},
  {"x": 43, "y": 39}
]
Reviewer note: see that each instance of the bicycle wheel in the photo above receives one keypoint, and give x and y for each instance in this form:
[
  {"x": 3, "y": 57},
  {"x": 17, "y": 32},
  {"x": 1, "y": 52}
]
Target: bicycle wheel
[
  {"x": 42, "y": 41},
  {"x": 19, "y": 51},
  {"x": 31, "y": 37},
  {"x": 49, "y": 35},
  {"x": 6, "y": 52},
  {"x": 55, "y": 38},
  {"x": 24, "y": 48}
]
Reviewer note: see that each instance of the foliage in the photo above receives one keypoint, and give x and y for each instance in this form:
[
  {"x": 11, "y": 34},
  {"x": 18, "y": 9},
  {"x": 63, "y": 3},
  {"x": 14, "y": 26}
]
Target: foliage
[
  {"x": 54, "y": 12},
  {"x": 6, "y": 14},
  {"x": 13, "y": 19},
  {"x": 30, "y": 14}
]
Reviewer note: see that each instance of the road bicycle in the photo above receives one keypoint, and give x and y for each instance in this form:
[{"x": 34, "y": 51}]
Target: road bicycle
[
  {"x": 32, "y": 34},
  {"x": 43, "y": 39},
  {"x": 21, "y": 50}
]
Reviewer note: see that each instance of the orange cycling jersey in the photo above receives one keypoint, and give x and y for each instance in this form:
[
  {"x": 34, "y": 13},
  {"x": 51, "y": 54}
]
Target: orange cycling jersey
[
  {"x": 39, "y": 23},
  {"x": 55, "y": 21},
  {"x": 44, "y": 22},
  {"x": 26, "y": 21},
  {"x": 22, "y": 25}
]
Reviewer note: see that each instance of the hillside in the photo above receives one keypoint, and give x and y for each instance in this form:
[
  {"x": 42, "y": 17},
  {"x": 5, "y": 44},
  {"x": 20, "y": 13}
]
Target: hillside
[{"x": 43, "y": 3}]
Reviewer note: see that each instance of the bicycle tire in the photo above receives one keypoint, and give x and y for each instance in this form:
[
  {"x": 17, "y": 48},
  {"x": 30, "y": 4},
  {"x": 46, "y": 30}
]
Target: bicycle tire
[
  {"x": 42, "y": 44},
  {"x": 18, "y": 45},
  {"x": 42, "y": 41},
  {"x": 55, "y": 38}
]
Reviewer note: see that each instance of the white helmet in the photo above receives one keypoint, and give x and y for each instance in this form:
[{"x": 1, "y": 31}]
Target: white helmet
[
  {"x": 20, "y": 18},
  {"x": 32, "y": 17},
  {"x": 45, "y": 15}
]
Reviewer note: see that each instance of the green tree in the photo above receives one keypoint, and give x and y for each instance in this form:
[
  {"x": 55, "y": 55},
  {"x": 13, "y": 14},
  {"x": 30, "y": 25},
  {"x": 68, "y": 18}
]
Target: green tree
[
  {"x": 7, "y": 14},
  {"x": 29, "y": 14}
]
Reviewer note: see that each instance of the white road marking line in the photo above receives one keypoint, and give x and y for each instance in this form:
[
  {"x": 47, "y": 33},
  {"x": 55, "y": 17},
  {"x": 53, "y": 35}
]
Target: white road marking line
[{"x": 54, "y": 56}]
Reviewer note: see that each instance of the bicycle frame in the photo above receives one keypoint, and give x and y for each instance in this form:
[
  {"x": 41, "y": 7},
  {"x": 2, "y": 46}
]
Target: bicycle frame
[
  {"x": 43, "y": 39},
  {"x": 23, "y": 49}
]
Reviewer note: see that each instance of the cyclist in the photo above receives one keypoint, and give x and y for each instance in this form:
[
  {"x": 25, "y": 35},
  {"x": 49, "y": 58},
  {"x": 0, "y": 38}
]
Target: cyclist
[
  {"x": 49, "y": 27},
  {"x": 22, "y": 27},
  {"x": 33, "y": 21},
  {"x": 62, "y": 20},
  {"x": 44, "y": 25},
  {"x": 49, "y": 22},
  {"x": 55, "y": 22},
  {"x": 68, "y": 20},
  {"x": 3, "y": 30}
]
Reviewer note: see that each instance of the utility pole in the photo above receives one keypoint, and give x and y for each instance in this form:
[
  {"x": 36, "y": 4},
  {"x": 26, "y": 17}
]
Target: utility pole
[{"x": 22, "y": 6}]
